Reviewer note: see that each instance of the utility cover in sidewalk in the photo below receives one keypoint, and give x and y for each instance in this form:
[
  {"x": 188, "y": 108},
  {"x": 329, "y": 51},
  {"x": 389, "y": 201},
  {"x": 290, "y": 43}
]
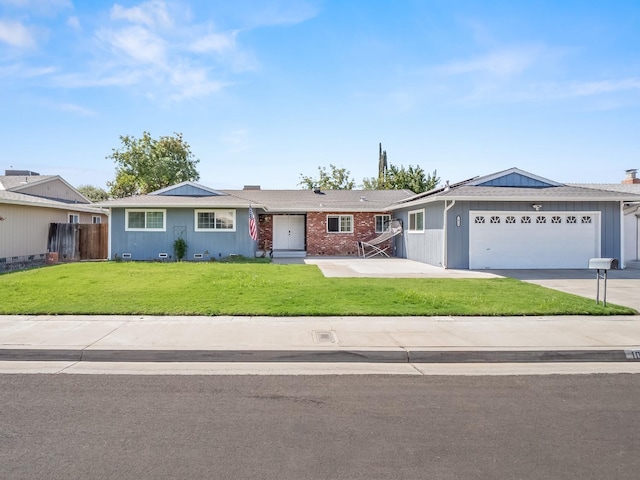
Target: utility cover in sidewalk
[{"x": 324, "y": 336}]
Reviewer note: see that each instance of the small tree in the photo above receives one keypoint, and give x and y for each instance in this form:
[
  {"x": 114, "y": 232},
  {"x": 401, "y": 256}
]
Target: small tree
[
  {"x": 399, "y": 178},
  {"x": 95, "y": 194},
  {"x": 337, "y": 179},
  {"x": 146, "y": 164}
]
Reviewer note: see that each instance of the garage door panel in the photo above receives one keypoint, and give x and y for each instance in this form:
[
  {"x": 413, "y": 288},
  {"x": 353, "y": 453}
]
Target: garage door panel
[{"x": 540, "y": 240}]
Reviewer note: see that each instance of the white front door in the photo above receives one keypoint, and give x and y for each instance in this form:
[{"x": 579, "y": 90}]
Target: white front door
[
  {"x": 533, "y": 239},
  {"x": 288, "y": 232}
]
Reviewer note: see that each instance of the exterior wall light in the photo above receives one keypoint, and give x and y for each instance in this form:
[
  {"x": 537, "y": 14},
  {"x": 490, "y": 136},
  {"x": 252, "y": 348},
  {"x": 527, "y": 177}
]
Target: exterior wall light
[{"x": 536, "y": 206}]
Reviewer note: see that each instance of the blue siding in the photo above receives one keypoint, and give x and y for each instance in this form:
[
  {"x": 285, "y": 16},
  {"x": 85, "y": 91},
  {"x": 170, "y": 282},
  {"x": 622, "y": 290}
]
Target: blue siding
[
  {"x": 515, "y": 180},
  {"x": 147, "y": 245},
  {"x": 427, "y": 246},
  {"x": 187, "y": 191}
]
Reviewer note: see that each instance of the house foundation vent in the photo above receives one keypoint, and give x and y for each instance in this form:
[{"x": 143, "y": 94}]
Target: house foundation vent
[
  {"x": 163, "y": 255},
  {"x": 197, "y": 255},
  {"x": 126, "y": 255}
]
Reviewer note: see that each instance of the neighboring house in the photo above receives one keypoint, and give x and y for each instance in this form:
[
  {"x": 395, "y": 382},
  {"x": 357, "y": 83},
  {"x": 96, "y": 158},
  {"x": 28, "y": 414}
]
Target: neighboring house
[
  {"x": 215, "y": 223},
  {"x": 29, "y": 202},
  {"x": 512, "y": 220},
  {"x": 631, "y": 185}
]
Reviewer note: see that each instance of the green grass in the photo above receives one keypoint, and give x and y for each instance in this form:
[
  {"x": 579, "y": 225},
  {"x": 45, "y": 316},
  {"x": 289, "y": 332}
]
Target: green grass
[{"x": 216, "y": 288}]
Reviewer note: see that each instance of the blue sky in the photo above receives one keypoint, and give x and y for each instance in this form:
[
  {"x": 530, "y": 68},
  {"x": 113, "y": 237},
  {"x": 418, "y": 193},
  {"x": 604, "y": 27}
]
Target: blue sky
[{"x": 266, "y": 90}]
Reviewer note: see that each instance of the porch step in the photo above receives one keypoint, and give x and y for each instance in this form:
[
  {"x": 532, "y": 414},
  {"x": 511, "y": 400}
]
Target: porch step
[
  {"x": 289, "y": 253},
  {"x": 634, "y": 264}
]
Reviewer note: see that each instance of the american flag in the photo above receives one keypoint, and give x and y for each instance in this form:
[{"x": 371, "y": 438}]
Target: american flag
[{"x": 253, "y": 230}]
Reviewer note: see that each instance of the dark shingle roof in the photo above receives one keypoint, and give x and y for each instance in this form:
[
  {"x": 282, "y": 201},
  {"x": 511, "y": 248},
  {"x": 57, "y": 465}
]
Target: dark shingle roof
[{"x": 274, "y": 200}]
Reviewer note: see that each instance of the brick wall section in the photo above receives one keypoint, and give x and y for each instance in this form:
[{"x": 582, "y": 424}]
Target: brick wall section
[
  {"x": 265, "y": 231},
  {"x": 320, "y": 242}
]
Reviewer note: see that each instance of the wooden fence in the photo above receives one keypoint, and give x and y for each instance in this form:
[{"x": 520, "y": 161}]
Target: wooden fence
[{"x": 78, "y": 241}]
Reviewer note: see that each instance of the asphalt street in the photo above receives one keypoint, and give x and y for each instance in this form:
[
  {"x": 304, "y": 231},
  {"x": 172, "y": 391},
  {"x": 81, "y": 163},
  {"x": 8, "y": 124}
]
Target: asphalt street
[{"x": 327, "y": 427}]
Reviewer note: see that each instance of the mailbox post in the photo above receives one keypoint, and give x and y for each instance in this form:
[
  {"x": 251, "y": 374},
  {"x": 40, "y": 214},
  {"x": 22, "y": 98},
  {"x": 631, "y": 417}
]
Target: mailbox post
[{"x": 604, "y": 265}]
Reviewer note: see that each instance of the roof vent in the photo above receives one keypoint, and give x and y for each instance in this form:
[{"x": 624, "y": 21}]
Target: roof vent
[
  {"x": 317, "y": 191},
  {"x": 363, "y": 198},
  {"x": 446, "y": 186},
  {"x": 251, "y": 187}
]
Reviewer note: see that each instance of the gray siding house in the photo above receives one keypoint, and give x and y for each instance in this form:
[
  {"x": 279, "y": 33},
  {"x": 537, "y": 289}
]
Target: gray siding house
[{"x": 512, "y": 220}]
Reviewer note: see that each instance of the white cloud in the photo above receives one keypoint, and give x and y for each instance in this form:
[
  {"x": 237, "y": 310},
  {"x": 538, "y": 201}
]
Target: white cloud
[
  {"x": 16, "y": 35},
  {"x": 75, "y": 109},
  {"x": 151, "y": 13},
  {"x": 215, "y": 42},
  {"x": 137, "y": 43},
  {"x": 74, "y": 22},
  {"x": 22, "y": 71},
  {"x": 603, "y": 87},
  {"x": 501, "y": 63}
]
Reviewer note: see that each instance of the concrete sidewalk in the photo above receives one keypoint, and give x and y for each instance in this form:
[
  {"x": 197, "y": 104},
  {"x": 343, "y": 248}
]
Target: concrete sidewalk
[{"x": 320, "y": 339}]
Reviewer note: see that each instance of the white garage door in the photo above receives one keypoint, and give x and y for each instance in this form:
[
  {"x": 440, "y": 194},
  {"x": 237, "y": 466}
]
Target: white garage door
[{"x": 533, "y": 240}]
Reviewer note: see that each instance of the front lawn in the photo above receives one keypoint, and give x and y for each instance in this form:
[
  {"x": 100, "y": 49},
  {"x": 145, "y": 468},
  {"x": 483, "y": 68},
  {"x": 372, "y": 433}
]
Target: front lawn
[{"x": 107, "y": 288}]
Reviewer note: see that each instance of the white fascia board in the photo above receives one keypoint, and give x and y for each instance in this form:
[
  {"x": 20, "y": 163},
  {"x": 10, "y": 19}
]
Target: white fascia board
[
  {"x": 505, "y": 199},
  {"x": 77, "y": 207}
]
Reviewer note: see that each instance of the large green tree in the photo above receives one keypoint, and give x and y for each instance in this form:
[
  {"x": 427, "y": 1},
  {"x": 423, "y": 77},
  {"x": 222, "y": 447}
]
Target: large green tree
[
  {"x": 400, "y": 178},
  {"x": 145, "y": 164},
  {"x": 95, "y": 194},
  {"x": 336, "y": 179}
]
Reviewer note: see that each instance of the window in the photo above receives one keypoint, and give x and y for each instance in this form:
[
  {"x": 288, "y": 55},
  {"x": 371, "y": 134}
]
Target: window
[
  {"x": 382, "y": 223},
  {"x": 96, "y": 219},
  {"x": 340, "y": 223},
  {"x": 211, "y": 220},
  {"x": 141, "y": 220},
  {"x": 586, "y": 219},
  {"x": 74, "y": 218},
  {"x": 571, "y": 219},
  {"x": 479, "y": 219},
  {"x": 416, "y": 221},
  {"x": 556, "y": 219},
  {"x": 510, "y": 219},
  {"x": 525, "y": 219},
  {"x": 541, "y": 219},
  {"x": 494, "y": 219}
]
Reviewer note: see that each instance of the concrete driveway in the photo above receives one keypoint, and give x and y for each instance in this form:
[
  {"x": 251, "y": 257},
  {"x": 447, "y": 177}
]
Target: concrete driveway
[
  {"x": 623, "y": 286},
  {"x": 388, "y": 268}
]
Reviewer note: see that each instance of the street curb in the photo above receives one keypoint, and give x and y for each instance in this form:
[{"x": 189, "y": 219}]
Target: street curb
[{"x": 316, "y": 356}]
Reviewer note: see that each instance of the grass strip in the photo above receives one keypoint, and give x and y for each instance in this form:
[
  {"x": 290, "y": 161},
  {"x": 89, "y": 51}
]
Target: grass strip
[{"x": 135, "y": 288}]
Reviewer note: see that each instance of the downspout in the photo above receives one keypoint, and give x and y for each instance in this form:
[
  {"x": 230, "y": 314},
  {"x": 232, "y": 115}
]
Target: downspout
[
  {"x": 110, "y": 220},
  {"x": 444, "y": 232},
  {"x": 623, "y": 233}
]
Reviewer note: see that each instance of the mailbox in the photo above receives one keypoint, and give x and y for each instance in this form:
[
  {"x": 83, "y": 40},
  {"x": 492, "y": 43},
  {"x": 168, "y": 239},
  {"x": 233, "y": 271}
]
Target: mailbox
[{"x": 604, "y": 264}]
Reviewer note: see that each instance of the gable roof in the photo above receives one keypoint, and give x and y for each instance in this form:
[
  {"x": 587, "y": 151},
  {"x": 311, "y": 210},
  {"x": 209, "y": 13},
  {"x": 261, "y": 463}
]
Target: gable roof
[
  {"x": 190, "y": 189},
  {"x": 514, "y": 185},
  {"x": 29, "y": 185}
]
